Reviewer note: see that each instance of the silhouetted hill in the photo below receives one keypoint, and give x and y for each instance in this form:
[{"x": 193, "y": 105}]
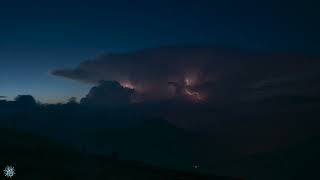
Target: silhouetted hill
[
  {"x": 256, "y": 125},
  {"x": 36, "y": 157},
  {"x": 265, "y": 124},
  {"x": 295, "y": 162},
  {"x": 158, "y": 142}
]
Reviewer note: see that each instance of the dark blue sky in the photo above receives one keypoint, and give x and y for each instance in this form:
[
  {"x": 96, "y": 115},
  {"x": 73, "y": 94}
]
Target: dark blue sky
[{"x": 38, "y": 36}]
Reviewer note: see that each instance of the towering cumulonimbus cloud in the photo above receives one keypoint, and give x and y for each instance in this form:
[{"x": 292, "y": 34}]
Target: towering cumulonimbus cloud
[
  {"x": 109, "y": 93},
  {"x": 200, "y": 73}
]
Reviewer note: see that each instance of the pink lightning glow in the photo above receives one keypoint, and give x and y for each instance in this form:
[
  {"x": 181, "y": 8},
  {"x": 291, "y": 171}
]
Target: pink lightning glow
[
  {"x": 127, "y": 84},
  {"x": 189, "y": 83},
  {"x": 189, "y": 90},
  {"x": 196, "y": 96}
]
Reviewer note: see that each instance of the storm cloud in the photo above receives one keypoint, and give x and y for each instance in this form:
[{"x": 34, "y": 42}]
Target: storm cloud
[
  {"x": 109, "y": 93},
  {"x": 200, "y": 73}
]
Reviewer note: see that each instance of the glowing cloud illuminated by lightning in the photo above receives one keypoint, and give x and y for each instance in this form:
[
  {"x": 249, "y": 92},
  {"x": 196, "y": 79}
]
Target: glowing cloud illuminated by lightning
[{"x": 192, "y": 73}]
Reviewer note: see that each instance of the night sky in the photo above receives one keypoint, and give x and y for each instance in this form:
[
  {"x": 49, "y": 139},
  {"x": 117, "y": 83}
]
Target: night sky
[{"x": 37, "y": 37}]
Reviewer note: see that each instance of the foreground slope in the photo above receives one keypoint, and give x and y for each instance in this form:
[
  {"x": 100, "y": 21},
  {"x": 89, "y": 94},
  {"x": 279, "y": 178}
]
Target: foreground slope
[{"x": 39, "y": 158}]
